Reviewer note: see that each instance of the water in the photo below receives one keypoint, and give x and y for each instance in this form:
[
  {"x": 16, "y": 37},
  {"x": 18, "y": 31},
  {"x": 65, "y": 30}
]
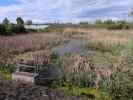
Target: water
[
  {"x": 74, "y": 46},
  {"x": 36, "y": 26}
]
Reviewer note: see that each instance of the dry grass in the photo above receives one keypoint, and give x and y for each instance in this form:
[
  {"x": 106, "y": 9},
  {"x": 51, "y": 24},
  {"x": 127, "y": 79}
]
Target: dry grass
[
  {"x": 104, "y": 35},
  {"x": 29, "y": 42},
  {"x": 121, "y": 36},
  {"x": 33, "y": 58},
  {"x": 14, "y": 45},
  {"x": 95, "y": 69}
]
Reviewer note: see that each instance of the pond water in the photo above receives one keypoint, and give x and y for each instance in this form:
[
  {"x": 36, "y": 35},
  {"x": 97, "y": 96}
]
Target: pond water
[
  {"x": 74, "y": 46},
  {"x": 36, "y": 26}
]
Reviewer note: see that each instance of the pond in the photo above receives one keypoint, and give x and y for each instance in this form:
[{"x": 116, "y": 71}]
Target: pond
[{"x": 73, "y": 46}]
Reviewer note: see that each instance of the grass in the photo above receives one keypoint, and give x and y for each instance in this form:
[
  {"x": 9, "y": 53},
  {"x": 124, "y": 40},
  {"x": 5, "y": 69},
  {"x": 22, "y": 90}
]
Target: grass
[
  {"x": 92, "y": 93},
  {"x": 108, "y": 46},
  {"x": 29, "y": 42},
  {"x": 6, "y": 74},
  {"x": 6, "y": 71},
  {"x": 113, "y": 48},
  {"x": 110, "y": 51}
]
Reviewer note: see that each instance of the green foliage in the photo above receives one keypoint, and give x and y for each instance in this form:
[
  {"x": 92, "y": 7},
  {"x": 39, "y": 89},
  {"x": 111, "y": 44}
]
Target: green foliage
[
  {"x": 2, "y": 30},
  {"x": 6, "y": 70},
  {"x": 108, "y": 22},
  {"x": 5, "y": 74},
  {"x": 52, "y": 28},
  {"x": 112, "y": 25},
  {"x": 91, "y": 93},
  {"x": 20, "y": 21},
  {"x": 83, "y": 23},
  {"x": 119, "y": 85},
  {"x": 10, "y": 29},
  {"x": 5, "y": 22},
  {"x": 44, "y": 30},
  {"x": 98, "y": 22},
  {"x": 20, "y": 25},
  {"x": 118, "y": 26},
  {"x": 7, "y": 28}
]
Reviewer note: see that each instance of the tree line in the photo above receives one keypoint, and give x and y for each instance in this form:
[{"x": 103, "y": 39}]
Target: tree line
[
  {"x": 8, "y": 28},
  {"x": 109, "y": 24}
]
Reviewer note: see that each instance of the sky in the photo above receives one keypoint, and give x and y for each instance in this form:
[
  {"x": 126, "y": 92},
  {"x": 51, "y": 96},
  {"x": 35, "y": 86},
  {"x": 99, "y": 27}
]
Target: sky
[{"x": 65, "y": 10}]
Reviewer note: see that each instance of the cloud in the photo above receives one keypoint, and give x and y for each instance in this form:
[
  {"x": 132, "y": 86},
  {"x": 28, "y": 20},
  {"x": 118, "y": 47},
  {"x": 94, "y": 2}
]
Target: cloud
[{"x": 67, "y": 10}]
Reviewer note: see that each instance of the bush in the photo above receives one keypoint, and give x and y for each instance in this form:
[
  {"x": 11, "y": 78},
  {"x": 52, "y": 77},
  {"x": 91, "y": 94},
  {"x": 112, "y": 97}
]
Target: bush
[
  {"x": 118, "y": 26},
  {"x": 2, "y": 30}
]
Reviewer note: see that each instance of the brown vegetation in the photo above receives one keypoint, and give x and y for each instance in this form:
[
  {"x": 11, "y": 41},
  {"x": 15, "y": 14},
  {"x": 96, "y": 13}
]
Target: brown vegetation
[{"x": 14, "y": 45}]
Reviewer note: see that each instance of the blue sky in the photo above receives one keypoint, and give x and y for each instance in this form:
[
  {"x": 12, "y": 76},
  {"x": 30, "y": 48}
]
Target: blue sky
[
  {"x": 8, "y": 2},
  {"x": 65, "y": 10}
]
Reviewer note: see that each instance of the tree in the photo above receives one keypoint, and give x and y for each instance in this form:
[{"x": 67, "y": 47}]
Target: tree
[
  {"x": 10, "y": 29},
  {"x": 2, "y": 30},
  {"x": 109, "y": 22},
  {"x": 20, "y": 25},
  {"x": 6, "y": 22},
  {"x": 4, "y": 26},
  {"x": 83, "y": 23},
  {"x": 20, "y": 21},
  {"x": 98, "y": 21},
  {"x": 7, "y": 28}
]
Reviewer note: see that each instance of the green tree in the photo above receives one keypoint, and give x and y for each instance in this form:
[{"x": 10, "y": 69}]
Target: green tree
[
  {"x": 20, "y": 21},
  {"x": 6, "y": 22},
  {"x": 98, "y": 21},
  {"x": 20, "y": 25},
  {"x": 2, "y": 30},
  {"x": 109, "y": 22},
  {"x": 4, "y": 26},
  {"x": 10, "y": 29},
  {"x": 84, "y": 23}
]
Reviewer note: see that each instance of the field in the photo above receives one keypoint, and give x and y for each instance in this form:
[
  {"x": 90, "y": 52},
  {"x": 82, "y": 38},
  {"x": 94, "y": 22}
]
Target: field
[{"x": 99, "y": 65}]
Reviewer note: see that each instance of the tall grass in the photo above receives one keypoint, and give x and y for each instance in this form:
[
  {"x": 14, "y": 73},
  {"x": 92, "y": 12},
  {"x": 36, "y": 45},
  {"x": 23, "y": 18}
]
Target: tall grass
[
  {"x": 30, "y": 42},
  {"x": 108, "y": 46}
]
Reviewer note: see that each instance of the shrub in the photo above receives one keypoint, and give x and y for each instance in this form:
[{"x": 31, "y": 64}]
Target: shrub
[
  {"x": 118, "y": 26},
  {"x": 2, "y": 30}
]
